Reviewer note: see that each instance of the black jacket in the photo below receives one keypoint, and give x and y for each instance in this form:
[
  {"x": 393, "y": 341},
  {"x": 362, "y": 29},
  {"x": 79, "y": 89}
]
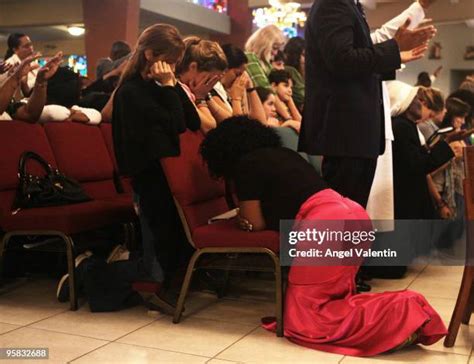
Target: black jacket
[
  {"x": 343, "y": 111},
  {"x": 146, "y": 122},
  {"x": 411, "y": 163}
]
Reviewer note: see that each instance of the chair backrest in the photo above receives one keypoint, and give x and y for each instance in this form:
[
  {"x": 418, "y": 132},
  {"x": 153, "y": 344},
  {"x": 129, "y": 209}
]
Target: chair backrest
[
  {"x": 468, "y": 185},
  {"x": 81, "y": 153},
  {"x": 17, "y": 137},
  {"x": 197, "y": 194}
]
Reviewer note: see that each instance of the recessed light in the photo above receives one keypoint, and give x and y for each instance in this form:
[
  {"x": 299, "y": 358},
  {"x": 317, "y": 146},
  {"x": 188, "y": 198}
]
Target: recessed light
[{"x": 76, "y": 31}]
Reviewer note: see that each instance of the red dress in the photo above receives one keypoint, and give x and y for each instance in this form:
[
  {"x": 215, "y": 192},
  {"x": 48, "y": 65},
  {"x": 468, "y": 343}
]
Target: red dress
[{"x": 323, "y": 311}]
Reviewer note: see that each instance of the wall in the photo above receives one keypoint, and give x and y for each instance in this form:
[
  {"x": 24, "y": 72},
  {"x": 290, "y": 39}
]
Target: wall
[
  {"x": 44, "y": 12},
  {"x": 453, "y": 38}
]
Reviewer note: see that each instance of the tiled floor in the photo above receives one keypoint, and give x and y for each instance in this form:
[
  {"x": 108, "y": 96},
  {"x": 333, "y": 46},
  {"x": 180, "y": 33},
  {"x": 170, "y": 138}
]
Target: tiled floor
[{"x": 213, "y": 331}]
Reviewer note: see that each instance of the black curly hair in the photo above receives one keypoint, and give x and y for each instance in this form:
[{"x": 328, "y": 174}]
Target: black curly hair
[{"x": 235, "y": 137}]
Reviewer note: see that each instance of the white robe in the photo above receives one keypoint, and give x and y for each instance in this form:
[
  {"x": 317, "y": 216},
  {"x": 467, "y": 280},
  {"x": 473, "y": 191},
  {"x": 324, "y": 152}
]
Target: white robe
[{"x": 381, "y": 201}]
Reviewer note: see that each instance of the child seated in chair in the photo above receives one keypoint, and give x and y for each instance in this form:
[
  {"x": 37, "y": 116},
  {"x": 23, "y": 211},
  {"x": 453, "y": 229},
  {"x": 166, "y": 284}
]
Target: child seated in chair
[{"x": 282, "y": 86}]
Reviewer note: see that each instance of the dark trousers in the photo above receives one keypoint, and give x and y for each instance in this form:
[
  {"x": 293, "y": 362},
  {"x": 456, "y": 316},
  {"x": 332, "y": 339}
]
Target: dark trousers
[
  {"x": 159, "y": 217},
  {"x": 108, "y": 287},
  {"x": 351, "y": 177}
]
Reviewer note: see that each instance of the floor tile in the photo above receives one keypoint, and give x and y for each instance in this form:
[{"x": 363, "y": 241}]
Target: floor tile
[
  {"x": 198, "y": 301},
  {"x": 192, "y": 336},
  {"x": 7, "y": 327},
  {"x": 464, "y": 342},
  {"x": 443, "y": 271},
  {"x": 24, "y": 312},
  {"x": 444, "y": 307},
  {"x": 262, "y": 346},
  {"x": 104, "y": 325},
  {"x": 35, "y": 300},
  {"x": 383, "y": 285},
  {"x": 32, "y": 288},
  {"x": 253, "y": 289},
  {"x": 237, "y": 311},
  {"x": 123, "y": 353},
  {"x": 62, "y": 347},
  {"x": 434, "y": 284},
  {"x": 416, "y": 354}
]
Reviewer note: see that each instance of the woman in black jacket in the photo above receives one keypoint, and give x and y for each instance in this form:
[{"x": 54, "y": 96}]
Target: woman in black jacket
[{"x": 149, "y": 113}]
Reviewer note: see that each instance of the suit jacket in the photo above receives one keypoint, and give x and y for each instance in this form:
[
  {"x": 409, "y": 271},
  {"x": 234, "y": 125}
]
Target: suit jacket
[
  {"x": 343, "y": 113},
  {"x": 411, "y": 163}
]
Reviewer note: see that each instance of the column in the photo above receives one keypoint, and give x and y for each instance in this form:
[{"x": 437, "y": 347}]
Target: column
[
  {"x": 241, "y": 23},
  {"x": 107, "y": 21}
]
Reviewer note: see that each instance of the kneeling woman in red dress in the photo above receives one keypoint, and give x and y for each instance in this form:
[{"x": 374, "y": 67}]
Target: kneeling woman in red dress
[{"x": 322, "y": 309}]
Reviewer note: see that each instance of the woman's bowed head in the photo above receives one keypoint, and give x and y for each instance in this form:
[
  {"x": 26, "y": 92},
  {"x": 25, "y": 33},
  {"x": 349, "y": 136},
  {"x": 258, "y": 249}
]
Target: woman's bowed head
[{"x": 233, "y": 139}]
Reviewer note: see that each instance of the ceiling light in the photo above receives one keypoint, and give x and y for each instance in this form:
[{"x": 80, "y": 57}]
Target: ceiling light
[
  {"x": 76, "y": 31},
  {"x": 287, "y": 16}
]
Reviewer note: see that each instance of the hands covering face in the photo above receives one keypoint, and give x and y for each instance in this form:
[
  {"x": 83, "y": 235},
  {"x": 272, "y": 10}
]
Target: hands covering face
[
  {"x": 163, "y": 73},
  {"x": 202, "y": 86}
]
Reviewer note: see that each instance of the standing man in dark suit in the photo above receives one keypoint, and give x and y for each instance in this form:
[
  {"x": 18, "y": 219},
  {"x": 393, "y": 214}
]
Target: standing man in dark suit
[{"x": 343, "y": 115}]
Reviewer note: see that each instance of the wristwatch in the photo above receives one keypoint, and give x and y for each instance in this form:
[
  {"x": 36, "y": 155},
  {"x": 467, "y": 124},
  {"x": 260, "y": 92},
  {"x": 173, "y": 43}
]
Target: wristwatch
[{"x": 200, "y": 102}]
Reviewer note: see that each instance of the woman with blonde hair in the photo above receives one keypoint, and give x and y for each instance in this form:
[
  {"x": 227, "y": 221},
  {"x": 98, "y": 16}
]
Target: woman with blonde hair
[
  {"x": 260, "y": 49},
  {"x": 202, "y": 66}
]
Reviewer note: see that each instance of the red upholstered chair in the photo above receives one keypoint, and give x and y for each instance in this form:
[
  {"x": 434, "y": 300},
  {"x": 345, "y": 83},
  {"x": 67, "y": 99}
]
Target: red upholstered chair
[
  {"x": 59, "y": 221},
  {"x": 90, "y": 162},
  {"x": 198, "y": 198},
  {"x": 465, "y": 303},
  {"x": 81, "y": 153}
]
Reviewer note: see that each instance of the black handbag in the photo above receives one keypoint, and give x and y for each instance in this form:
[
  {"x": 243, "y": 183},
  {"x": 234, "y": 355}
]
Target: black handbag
[{"x": 53, "y": 189}]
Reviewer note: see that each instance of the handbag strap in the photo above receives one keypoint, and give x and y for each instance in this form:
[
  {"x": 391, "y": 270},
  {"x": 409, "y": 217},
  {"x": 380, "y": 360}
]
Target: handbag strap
[{"x": 26, "y": 156}]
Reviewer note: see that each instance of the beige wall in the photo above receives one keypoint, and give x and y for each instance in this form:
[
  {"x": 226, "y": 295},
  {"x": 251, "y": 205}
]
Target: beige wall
[
  {"x": 454, "y": 39},
  {"x": 40, "y": 12},
  {"x": 440, "y": 11}
]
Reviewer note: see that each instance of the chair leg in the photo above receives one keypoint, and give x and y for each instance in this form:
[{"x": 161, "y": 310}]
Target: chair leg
[
  {"x": 462, "y": 304},
  {"x": 278, "y": 297},
  {"x": 71, "y": 271},
  {"x": 185, "y": 286},
  {"x": 470, "y": 306}
]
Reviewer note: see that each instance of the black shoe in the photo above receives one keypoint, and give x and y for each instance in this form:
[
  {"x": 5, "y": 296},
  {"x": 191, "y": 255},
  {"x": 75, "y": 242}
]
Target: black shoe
[
  {"x": 62, "y": 293},
  {"x": 362, "y": 286}
]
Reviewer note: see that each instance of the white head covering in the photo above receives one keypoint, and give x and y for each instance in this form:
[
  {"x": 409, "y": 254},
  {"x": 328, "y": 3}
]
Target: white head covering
[{"x": 401, "y": 96}]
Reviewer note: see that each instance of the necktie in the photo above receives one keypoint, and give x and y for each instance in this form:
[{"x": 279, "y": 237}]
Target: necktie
[{"x": 360, "y": 8}]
